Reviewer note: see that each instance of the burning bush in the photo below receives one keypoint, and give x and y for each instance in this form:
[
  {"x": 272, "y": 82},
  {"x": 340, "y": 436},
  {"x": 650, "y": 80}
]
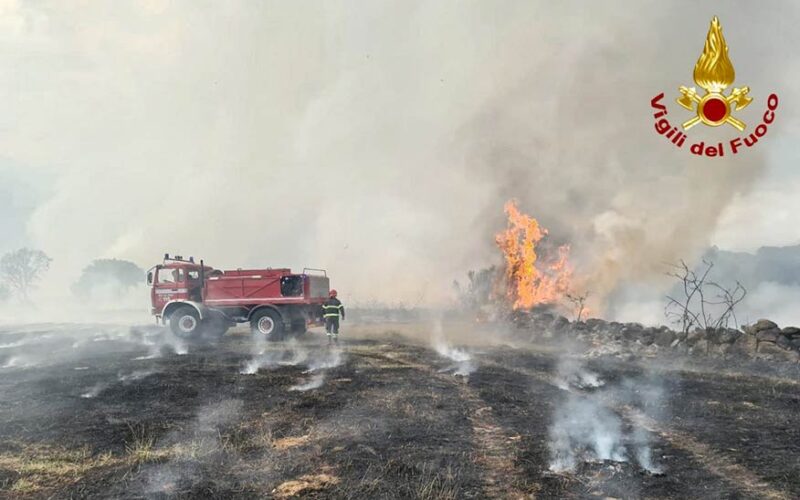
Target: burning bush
[{"x": 535, "y": 273}]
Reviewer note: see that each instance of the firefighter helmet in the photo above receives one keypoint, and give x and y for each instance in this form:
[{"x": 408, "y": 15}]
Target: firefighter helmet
[{"x": 332, "y": 293}]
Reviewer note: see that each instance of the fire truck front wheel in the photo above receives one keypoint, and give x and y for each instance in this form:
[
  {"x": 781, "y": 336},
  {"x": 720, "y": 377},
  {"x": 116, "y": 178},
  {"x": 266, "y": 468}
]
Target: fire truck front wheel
[
  {"x": 267, "y": 324},
  {"x": 185, "y": 322}
]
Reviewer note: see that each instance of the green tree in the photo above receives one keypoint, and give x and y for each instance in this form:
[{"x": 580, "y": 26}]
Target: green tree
[
  {"x": 21, "y": 269},
  {"x": 111, "y": 277}
]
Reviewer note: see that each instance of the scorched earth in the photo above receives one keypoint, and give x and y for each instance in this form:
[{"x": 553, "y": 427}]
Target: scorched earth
[{"x": 395, "y": 411}]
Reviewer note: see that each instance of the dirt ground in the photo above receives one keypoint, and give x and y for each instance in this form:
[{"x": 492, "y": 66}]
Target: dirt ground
[{"x": 127, "y": 412}]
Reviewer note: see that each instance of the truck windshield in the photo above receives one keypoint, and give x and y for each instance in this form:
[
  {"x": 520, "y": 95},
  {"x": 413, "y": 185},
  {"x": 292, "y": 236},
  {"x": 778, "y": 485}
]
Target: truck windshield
[{"x": 170, "y": 275}]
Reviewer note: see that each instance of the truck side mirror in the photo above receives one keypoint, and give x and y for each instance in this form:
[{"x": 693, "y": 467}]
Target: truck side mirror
[{"x": 150, "y": 278}]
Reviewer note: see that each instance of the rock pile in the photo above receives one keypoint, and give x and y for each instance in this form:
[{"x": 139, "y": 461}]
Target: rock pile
[
  {"x": 764, "y": 330},
  {"x": 611, "y": 337}
]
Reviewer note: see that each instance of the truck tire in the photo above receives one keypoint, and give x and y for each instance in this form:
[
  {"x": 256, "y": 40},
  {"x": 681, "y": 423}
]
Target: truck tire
[
  {"x": 185, "y": 323},
  {"x": 267, "y": 324}
]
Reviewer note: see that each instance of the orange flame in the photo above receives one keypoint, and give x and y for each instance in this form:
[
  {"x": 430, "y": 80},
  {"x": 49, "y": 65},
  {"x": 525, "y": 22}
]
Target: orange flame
[{"x": 531, "y": 279}]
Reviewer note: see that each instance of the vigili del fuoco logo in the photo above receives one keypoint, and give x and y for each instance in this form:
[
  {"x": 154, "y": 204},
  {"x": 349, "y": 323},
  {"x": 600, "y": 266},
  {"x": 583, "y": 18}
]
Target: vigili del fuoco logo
[{"x": 713, "y": 73}]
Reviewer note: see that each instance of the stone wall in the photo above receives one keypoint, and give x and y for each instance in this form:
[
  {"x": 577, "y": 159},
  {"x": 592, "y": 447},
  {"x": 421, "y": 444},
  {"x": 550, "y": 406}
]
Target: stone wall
[{"x": 763, "y": 338}]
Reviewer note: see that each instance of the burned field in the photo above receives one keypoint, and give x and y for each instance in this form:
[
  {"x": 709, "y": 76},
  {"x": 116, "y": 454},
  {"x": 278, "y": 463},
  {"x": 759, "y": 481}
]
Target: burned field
[{"x": 99, "y": 411}]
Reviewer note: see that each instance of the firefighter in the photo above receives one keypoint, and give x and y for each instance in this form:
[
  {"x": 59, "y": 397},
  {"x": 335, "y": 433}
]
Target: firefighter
[{"x": 332, "y": 310}]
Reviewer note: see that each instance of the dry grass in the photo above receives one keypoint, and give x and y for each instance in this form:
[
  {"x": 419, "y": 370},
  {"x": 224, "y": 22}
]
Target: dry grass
[
  {"x": 261, "y": 435},
  {"x": 305, "y": 485},
  {"x": 25, "y": 485},
  {"x": 437, "y": 485},
  {"x": 194, "y": 449},
  {"x": 235, "y": 441},
  {"x": 42, "y": 468},
  {"x": 290, "y": 442},
  {"x": 141, "y": 446}
]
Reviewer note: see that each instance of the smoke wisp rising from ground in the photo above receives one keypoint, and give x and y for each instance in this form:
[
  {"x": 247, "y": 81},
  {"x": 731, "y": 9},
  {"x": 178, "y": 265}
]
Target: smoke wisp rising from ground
[
  {"x": 293, "y": 353},
  {"x": 587, "y": 426},
  {"x": 583, "y": 426},
  {"x": 202, "y": 438},
  {"x": 50, "y": 344},
  {"x": 463, "y": 362},
  {"x": 571, "y": 373},
  {"x": 315, "y": 382}
]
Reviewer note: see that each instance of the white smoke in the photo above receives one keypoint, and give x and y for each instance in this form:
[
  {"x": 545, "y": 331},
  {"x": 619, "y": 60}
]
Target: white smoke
[
  {"x": 159, "y": 340},
  {"x": 202, "y": 433},
  {"x": 9, "y": 345},
  {"x": 124, "y": 378},
  {"x": 269, "y": 356},
  {"x": 95, "y": 390},
  {"x": 463, "y": 365},
  {"x": 547, "y": 103},
  {"x": 48, "y": 344},
  {"x": 776, "y": 301},
  {"x": 261, "y": 359},
  {"x": 135, "y": 376},
  {"x": 314, "y": 382},
  {"x": 586, "y": 428},
  {"x": 296, "y": 354},
  {"x": 326, "y": 359},
  {"x": 571, "y": 373},
  {"x": 20, "y": 362},
  {"x": 293, "y": 353}
]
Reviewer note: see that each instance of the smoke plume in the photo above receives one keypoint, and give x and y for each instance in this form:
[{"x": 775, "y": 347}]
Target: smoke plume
[{"x": 425, "y": 117}]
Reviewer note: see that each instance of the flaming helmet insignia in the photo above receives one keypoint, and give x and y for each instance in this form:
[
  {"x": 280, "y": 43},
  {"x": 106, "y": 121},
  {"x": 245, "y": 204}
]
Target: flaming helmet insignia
[{"x": 714, "y": 72}]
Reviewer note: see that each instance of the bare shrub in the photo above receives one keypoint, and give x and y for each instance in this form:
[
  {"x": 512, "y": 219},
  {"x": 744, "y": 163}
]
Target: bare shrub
[
  {"x": 703, "y": 304},
  {"x": 578, "y": 302}
]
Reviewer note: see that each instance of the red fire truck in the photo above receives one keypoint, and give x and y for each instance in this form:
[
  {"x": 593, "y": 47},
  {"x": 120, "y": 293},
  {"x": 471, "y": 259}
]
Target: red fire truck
[{"x": 197, "y": 300}]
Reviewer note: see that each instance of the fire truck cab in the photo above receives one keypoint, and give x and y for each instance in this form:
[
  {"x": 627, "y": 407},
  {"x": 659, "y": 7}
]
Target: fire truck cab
[{"x": 197, "y": 300}]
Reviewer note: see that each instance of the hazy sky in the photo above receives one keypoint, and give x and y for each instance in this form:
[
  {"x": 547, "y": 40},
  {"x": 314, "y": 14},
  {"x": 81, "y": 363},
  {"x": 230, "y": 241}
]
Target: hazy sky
[{"x": 380, "y": 139}]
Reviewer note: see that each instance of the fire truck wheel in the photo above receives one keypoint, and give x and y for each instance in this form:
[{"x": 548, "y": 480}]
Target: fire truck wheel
[
  {"x": 267, "y": 324},
  {"x": 185, "y": 322}
]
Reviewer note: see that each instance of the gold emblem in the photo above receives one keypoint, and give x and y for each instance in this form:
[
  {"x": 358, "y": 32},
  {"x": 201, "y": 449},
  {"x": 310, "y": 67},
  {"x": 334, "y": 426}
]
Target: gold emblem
[{"x": 714, "y": 72}]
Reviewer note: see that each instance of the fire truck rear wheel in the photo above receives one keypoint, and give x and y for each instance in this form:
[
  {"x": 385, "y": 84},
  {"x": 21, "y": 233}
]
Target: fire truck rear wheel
[
  {"x": 185, "y": 322},
  {"x": 267, "y": 324}
]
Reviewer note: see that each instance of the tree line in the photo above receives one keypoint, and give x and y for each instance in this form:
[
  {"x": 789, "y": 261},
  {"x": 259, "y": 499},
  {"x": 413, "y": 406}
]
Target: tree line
[{"x": 23, "y": 270}]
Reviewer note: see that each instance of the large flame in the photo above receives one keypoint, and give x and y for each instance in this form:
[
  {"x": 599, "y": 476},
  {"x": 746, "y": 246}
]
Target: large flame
[
  {"x": 714, "y": 71},
  {"x": 531, "y": 279}
]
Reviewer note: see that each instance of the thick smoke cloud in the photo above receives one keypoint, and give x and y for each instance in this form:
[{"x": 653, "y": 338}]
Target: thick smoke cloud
[{"x": 378, "y": 140}]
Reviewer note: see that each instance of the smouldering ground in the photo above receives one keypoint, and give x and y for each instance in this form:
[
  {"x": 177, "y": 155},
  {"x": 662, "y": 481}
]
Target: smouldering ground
[{"x": 119, "y": 412}]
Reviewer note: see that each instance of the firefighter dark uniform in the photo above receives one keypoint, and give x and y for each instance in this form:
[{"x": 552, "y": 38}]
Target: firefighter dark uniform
[{"x": 332, "y": 310}]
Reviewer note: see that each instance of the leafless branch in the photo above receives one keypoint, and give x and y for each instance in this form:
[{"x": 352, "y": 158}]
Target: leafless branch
[
  {"x": 705, "y": 304},
  {"x": 579, "y": 303}
]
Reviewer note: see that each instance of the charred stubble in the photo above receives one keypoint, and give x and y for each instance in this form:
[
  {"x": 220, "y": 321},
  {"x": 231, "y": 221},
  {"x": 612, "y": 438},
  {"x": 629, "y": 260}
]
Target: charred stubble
[{"x": 390, "y": 421}]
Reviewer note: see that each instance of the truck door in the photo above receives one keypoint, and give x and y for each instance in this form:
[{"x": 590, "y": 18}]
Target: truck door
[
  {"x": 194, "y": 285},
  {"x": 170, "y": 285}
]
